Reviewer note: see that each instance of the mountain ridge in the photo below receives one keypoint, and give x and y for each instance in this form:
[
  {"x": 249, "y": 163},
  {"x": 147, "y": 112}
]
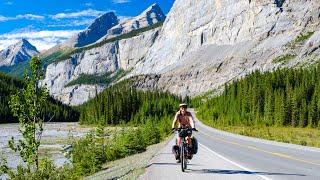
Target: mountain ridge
[
  {"x": 152, "y": 15},
  {"x": 16, "y": 53}
]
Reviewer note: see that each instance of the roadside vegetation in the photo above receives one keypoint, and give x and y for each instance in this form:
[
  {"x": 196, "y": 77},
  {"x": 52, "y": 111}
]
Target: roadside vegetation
[
  {"x": 283, "y": 105},
  {"x": 301, "y": 136}
]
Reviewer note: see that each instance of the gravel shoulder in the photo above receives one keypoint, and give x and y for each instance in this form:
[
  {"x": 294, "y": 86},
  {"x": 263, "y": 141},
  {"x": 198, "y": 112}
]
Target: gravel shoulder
[{"x": 130, "y": 167}]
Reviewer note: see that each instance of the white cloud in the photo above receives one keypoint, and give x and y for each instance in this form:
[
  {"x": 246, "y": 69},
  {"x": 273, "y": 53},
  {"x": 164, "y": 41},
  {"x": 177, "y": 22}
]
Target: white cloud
[
  {"x": 4, "y": 18},
  {"x": 120, "y": 1},
  {"x": 8, "y": 3},
  {"x": 123, "y": 18},
  {"x": 73, "y": 23},
  {"x": 89, "y": 4},
  {"x": 21, "y": 16},
  {"x": 43, "y": 40},
  {"x": 84, "y": 13},
  {"x": 4, "y": 43},
  {"x": 30, "y": 17}
]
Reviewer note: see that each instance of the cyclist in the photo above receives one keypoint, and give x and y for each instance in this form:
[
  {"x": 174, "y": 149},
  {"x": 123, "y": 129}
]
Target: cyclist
[{"x": 185, "y": 120}]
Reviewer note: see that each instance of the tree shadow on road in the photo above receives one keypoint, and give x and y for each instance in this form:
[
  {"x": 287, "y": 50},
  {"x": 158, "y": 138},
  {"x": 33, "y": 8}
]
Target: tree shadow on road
[
  {"x": 167, "y": 153},
  {"x": 221, "y": 171},
  {"x": 164, "y": 164}
]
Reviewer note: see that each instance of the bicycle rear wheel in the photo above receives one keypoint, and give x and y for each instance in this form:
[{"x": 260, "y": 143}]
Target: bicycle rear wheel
[{"x": 185, "y": 161}]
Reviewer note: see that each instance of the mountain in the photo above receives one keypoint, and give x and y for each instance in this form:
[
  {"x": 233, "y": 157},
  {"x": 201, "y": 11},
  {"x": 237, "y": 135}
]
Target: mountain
[
  {"x": 205, "y": 44},
  {"x": 149, "y": 17},
  {"x": 103, "y": 59},
  {"x": 20, "y": 52},
  {"x": 200, "y": 47},
  {"x": 95, "y": 31}
]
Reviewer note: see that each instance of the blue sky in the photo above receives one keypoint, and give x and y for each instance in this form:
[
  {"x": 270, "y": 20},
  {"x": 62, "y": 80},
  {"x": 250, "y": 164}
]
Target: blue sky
[{"x": 48, "y": 22}]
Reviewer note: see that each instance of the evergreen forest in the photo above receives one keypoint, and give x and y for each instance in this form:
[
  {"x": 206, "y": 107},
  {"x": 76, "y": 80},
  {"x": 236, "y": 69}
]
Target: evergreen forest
[
  {"x": 52, "y": 110},
  {"x": 285, "y": 97}
]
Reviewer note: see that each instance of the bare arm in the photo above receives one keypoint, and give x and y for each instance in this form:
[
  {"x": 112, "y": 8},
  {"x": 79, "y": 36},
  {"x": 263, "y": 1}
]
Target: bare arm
[
  {"x": 192, "y": 123},
  {"x": 175, "y": 121}
]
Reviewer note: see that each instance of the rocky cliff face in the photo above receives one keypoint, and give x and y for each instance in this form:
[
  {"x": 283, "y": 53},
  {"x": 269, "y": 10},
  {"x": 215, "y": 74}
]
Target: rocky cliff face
[
  {"x": 16, "y": 53},
  {"x": 107, "y": 58},
  {"x": 134, "y": 49},
  {"x": 204, "y": 44}
]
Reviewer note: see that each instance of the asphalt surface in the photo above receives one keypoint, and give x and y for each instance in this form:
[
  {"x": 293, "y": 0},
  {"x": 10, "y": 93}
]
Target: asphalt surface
[{"x": 224, "y": 155}]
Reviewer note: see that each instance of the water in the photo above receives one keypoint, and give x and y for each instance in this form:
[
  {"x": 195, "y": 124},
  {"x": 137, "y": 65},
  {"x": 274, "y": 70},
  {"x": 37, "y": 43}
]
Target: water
[{"x": 55, "y": 138}]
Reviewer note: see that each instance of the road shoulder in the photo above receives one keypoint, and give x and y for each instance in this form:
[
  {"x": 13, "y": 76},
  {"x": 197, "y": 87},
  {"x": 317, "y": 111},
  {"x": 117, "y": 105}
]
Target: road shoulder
[{"x": 130, "y": 167}]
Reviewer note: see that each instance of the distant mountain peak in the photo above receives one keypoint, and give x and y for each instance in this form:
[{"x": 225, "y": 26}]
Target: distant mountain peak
[
  {"x": 152, "y": 15},
  {"x": 25, "y": 43},
  {"x": 21, "y": 51},
  {"x": 95, "y": 31},
  {"x": 154, "y": 8}
]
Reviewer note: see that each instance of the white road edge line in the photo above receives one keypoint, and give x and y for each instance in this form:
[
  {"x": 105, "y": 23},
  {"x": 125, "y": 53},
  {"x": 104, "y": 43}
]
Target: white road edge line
[{"x": 234, "y": 163}]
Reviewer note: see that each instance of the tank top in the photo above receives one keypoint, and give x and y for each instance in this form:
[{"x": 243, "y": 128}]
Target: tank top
[{"x": 184, "y": 120}]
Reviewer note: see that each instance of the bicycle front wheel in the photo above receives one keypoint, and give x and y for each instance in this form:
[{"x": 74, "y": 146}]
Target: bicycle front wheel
[
  {"x": 185, "y": 161},
  {"x": 182, "y": 157}
]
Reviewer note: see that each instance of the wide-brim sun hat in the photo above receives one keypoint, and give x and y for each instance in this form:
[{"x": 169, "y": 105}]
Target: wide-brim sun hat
[{"x": 183, "y": 105}]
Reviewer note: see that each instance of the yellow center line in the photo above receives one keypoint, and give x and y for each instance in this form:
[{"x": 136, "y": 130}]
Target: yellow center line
[{"x": 262, "y": 150}]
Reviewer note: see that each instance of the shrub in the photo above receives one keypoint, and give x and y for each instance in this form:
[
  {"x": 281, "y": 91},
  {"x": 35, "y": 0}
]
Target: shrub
[
  {"x": 46, "y": 170},
  {"x": 88, "y": 155},
  {"x": 283, "y": 58},
  {"x": 151, "y": 132}
]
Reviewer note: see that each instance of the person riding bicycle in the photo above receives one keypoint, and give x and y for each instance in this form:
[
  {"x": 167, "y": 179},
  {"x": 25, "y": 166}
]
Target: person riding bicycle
[{"x": 185, "y": 120}]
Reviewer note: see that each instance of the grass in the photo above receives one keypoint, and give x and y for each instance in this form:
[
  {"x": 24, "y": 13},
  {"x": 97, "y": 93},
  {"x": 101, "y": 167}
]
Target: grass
[
  {"x": 53, "y": 141},
  {"x": 303, "y": 37},
  {"x": 300, "y": 136},
  {"x": 299, "y": 40},
  {"x": 46, "y": 60},
  {"x": 104, "y": 79},
  {"x": 283, "y": 58},
  {"x": 90, "y": 79}
]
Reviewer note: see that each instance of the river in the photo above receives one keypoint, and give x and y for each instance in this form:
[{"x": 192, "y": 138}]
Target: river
[{"x": 55, "y": 137}]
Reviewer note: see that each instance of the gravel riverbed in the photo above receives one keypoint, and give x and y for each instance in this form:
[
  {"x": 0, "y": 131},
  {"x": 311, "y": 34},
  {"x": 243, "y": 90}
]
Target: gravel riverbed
[{"x": 55, "y": 138}]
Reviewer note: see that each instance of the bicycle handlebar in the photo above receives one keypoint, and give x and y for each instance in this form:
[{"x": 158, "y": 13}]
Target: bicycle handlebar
[{"x": 179, "y": 129}]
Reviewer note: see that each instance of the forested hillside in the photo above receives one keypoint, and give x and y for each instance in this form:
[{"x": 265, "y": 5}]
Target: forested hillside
[
  {"x": 52, "y": 109},
  {"x": 121, "y": 104},
  {"x": 287, "y": 97}
]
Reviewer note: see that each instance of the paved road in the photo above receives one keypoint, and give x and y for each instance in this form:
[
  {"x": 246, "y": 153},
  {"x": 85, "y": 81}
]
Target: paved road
[{"x": 227, "y": 156}]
